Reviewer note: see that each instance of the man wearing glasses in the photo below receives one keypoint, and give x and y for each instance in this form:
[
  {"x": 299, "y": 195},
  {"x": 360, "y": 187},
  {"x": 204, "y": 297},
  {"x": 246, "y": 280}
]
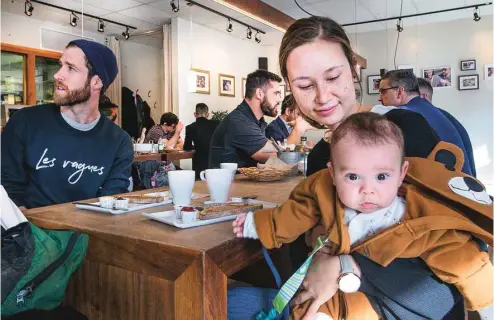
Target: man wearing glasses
[
  {"x": 168, "y": 129},
  {"x": 400, "y": 88}
]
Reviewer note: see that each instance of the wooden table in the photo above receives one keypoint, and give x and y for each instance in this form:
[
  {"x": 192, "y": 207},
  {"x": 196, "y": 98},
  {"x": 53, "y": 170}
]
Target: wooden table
[
  {"x": 166, "y": 156},
  {"x": 137, "y": 268}
]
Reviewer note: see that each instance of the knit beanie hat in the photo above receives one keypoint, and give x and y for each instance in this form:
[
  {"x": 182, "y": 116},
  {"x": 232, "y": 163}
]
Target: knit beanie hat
[{"x": 102, "y": 60}]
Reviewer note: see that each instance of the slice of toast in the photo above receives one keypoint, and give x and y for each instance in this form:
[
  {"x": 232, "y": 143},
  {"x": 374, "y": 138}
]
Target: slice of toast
[
  {"x": 142, "y": 199},
  {"x": 227, "y": 209}
]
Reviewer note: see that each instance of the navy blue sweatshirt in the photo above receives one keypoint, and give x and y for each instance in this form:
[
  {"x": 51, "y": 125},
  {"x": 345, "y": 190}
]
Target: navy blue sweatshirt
[{"x": 45, "y": 161}]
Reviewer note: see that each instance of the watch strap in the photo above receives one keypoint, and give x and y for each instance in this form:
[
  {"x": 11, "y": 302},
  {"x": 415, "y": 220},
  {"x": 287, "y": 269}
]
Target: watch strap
[{"x": 346, "y": 264}]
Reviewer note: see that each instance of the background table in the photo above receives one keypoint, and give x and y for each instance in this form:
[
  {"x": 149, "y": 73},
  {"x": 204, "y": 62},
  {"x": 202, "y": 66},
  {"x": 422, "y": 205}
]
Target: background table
[
  {"x": 166, "y": 156},
  {"x": 137, "y": 268}
]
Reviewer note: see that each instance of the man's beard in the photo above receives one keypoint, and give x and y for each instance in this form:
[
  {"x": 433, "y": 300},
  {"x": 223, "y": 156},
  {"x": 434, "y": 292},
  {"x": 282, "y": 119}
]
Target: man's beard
[
  {"x": 267, "y": 109},
  {"x": 72, "y": 97}
]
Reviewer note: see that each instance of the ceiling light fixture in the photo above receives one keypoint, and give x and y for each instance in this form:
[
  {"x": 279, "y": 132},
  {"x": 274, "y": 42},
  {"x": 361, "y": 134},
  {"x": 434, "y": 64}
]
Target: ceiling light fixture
[
  {"x": 73, "y": 14},
  {"x": 28, "y": 8},
  {"x": 126, "y": 34},
  {"x": 476, "y": 16},
  {"x": 399, "y": 25},
  {"x": 230, "y": 27},
  {"x": 101, "y": 26},
  {"x": 230, "y": 19},
  {"x": 175, "y": 8},
  {"x": 258, "y": 37},
  {"x": 73, "y": 19},
  {"x": 250, "y": 15},
  {"x": 249, "y": 33}
]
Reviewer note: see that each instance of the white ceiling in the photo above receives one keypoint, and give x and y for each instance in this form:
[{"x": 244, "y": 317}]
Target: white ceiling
[
  {"x": 145, "y": 15},
  {"x": 349, "y": 11},
  {"x": 148, "y": 15}
]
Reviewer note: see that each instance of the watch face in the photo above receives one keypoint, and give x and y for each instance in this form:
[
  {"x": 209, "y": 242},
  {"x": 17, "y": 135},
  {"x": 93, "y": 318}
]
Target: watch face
[{"x": 349, "y": 283}]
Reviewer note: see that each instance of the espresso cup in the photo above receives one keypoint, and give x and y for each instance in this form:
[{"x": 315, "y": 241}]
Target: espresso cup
[
  {"x": 219, "y": 181},
  {"x": 181, "y": 183}
]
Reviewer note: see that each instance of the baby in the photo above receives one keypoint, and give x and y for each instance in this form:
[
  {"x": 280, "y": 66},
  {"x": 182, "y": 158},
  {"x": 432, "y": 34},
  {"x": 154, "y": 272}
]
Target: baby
[{"x": 357, "y": 202}]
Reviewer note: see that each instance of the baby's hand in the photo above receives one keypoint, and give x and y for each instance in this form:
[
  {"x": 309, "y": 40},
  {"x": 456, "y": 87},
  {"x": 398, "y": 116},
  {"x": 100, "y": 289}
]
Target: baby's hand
[{"x": 238, "y": 225}]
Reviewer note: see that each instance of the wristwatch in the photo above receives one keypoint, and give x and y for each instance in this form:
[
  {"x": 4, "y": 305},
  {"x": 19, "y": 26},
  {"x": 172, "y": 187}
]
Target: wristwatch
[{"x": 348, "y": 281}]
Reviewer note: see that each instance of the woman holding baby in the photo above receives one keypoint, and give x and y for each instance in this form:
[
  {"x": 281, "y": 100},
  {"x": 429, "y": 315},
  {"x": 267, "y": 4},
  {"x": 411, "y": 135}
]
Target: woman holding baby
[{"x": 317, "y": 62}]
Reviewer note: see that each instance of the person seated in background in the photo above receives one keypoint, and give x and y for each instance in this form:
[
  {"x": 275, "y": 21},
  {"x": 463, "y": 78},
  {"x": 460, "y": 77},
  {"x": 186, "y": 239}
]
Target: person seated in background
[
  {"x": 169, "y": 130},
  {"x": 281, "y": 127},
  {"x": 198, "y": 137},
  {"x": 67, "y": 151},
  {"x": 241, "y": 137},
  {"x": 108, "y": 108},
  {"x": 426, "y": 92},
  {"x": 400, "y": 88},
  {"x": 358, "y": 203}
]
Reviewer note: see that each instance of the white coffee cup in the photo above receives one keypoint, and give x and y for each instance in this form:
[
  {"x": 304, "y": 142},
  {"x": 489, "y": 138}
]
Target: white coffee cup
[
  {"x": 219, "y": 181},
  {"x": 181, "y": 183},
  {"x": 230, "y": 166}
]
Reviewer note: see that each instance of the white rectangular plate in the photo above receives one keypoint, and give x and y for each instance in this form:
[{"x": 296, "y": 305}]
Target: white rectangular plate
[
  {"x": 169, "y": 217},
  {"x": 132, "y": 206}
]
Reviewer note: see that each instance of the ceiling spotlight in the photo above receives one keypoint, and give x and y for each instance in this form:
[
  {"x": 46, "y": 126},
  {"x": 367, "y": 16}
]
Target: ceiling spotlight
[
  {"x": 476, "y": 16},
  {"x": 258, "y": 37},
  {"x": 399, "y": 25},
  {"x": 230, "y": 27},
  {"x": 101, "y": 26},
  {"x": 249, "y": 33},
  {"x": 175, "y": 8},
  {"x": 28, "y": 8},
  {"x": 73, "y": 19},
  {"x": 126, "y": 34}
]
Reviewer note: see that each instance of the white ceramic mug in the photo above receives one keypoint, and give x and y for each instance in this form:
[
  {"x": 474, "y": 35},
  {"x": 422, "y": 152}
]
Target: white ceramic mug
[
  {"x": 230, "y": 166},
  {"x": 181, "y": 183},
  {"x": 219, "y": 181}
]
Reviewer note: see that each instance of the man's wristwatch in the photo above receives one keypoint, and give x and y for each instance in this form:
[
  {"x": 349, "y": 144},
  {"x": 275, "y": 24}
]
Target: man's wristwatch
[{"x": 348, "y": 281}]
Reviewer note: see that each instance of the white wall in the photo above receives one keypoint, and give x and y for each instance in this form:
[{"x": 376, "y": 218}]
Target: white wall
[
  {"x": 272, "y": 55},
  {"x": 141, "y": 68},
  {"x": 196, "y": 46},
  {"x": 442, "y": 44}
]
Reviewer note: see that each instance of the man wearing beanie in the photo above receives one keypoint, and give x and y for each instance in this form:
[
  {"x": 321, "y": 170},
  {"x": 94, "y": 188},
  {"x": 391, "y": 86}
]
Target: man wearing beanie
[{"x": 66, "y": 151}]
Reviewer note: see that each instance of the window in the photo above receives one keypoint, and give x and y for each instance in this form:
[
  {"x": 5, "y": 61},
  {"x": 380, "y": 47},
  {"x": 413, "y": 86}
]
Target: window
[
  {"x": 45, "y": 79},
  {"x": 13, "y": 78},
  {"x": 27, "y": 77}
]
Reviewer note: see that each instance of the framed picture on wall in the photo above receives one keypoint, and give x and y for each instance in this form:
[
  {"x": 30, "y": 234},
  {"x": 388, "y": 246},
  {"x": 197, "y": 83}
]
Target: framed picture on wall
[
  {"x": 373, "y": 84},
  {"x": 488, "y": 71},
  {"x": 439, "y": 77},
  {"x": 200, "y": 81},
  {"x": 410, "y": 67},
  {"x": 468, "y": 65},
  {"x": 226, "y": 85},
  {"x": 470, "y": 82},
  {"x": 244, "y": 85}
]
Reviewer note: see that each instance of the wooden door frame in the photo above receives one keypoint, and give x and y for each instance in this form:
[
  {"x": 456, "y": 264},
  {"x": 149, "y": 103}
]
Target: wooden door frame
[{"x": 29, "y": 67}]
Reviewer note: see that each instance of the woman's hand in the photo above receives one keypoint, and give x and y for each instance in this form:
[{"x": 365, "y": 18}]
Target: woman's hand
[{"x": 320, "y": 283}]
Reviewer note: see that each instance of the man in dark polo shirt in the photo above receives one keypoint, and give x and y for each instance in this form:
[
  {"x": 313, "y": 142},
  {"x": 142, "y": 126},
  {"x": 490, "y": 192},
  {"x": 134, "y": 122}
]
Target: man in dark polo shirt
[{"x": 240, "y": 138}]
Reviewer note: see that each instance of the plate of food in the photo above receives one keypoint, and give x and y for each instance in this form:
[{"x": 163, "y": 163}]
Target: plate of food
[
  {"x": 126, "y": 203},
  {"x": 184, "y": 217}
]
